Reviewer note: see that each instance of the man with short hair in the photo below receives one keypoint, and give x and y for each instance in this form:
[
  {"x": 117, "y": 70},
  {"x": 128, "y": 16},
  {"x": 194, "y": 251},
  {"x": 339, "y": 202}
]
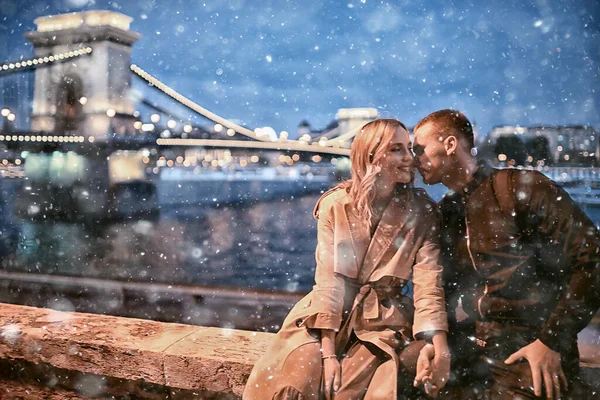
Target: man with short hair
[{"x": 521, "y": 258}]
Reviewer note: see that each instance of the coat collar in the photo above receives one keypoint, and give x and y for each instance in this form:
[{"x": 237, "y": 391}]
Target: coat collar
[{"x": 483, "y": 172}]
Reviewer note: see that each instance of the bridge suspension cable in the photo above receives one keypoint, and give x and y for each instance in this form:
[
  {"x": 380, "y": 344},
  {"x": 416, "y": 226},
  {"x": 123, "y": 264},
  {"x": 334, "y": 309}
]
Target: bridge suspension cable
[
  {"x": 13, "y": 67},
  {"x": 337, "y": 140},
  {"x": 333, "y": 142},
  {"x": 194, "y": 106}
]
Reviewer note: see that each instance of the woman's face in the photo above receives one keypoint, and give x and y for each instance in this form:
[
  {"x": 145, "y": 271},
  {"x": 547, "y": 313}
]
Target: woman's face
[{"x": 397, "y": 161}]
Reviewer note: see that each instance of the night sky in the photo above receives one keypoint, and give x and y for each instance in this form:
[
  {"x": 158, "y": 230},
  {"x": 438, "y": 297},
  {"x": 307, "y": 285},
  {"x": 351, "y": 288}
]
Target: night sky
[{"x": 275, "y": 63}]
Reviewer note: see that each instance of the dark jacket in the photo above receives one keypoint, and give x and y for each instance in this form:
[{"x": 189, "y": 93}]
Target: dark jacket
[{"x": 523, "y": 258}]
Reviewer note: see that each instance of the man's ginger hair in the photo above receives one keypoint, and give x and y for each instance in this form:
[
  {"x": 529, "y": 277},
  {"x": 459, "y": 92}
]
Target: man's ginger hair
[{"x": 451, "y": 122}]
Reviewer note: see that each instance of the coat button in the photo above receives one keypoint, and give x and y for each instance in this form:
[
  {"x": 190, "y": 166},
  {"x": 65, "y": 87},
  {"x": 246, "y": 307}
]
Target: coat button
[{"x": 299, "y": 322}]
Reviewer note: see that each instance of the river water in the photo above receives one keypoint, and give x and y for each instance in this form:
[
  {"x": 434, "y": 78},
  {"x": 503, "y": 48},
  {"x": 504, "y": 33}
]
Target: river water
[{"x": 268, "y": 245}]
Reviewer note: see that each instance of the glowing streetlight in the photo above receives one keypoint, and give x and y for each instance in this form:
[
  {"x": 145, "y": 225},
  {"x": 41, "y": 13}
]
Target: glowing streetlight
[
  {"x": 155, "y": 118},
  {"x": 111, "y": 113},
  {"x": 5, "y": 112},
  {"x": 172, "y": 124},
  {"x": 11, "y": 117},
  {"x": 187, "y": 128}
]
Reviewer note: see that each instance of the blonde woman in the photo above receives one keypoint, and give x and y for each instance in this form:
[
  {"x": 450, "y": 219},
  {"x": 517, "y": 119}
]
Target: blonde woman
[{"x": 346, "y": 338}]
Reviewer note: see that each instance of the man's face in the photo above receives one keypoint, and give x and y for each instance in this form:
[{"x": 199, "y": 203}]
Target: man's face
[{"x": 431, "y": 158}]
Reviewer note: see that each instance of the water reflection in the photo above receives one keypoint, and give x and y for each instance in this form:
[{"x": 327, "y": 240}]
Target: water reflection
[{"x": 265, "y": 245}]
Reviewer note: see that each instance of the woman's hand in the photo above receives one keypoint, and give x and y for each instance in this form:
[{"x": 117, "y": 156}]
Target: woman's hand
[
  {"x": 441, "y": 372},
  {"x": 332, "y": 374},
  {"x": 425, "y": 366}
]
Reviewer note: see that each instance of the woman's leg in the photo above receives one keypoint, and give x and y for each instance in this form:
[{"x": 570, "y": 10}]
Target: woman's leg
[
  {"x": 408, "y": 370},
  {"x": 300, "y": 376},
  {"x": 359, "y": 364}
]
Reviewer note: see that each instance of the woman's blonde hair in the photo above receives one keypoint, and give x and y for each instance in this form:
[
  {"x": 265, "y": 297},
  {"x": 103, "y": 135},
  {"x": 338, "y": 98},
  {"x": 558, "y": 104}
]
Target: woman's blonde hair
[{"x": 368, "y": 148}]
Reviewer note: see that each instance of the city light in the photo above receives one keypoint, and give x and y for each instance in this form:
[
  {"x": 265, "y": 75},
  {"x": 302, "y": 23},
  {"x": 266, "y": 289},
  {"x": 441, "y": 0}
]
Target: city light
[
  {"x": 46, "y": 59},
  {"x": 187, "y": 128},
  {"x": 137, "y": 124},
  {"x": 147, "y": 127},
  {"x": 155, "y": 118},
  {"x": 172, "y": 124},
  {"x": 5, "y": 112},
  {"x": 111, "y": 113},
  {"x": 218, "y": 128},
  {"x": 230, "y": 132},
  {"x": 11, "y": 117},
  {"x": 83, "y": 100}
]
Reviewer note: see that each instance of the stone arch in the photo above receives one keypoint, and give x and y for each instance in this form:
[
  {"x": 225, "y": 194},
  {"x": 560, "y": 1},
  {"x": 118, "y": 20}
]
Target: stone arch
[{"x": 69, "y": 113}]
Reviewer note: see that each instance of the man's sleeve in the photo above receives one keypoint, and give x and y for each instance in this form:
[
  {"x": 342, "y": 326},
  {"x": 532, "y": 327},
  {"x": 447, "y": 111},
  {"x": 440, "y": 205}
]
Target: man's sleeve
[
  {"x": 569, "y": 251},
  {"x": 457, "y": 285}
]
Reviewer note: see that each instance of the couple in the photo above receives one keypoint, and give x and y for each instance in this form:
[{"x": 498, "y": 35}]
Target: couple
[{"x": 517, "y": 253}]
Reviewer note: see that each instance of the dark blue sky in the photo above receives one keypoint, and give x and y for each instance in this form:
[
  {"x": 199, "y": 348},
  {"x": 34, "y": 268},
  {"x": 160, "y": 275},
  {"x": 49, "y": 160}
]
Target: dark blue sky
[{"x": 277, "y": 62}]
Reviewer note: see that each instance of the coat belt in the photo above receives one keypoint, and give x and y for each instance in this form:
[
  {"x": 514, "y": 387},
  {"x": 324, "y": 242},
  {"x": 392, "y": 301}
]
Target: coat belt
[{"x": 369, "y": 296}]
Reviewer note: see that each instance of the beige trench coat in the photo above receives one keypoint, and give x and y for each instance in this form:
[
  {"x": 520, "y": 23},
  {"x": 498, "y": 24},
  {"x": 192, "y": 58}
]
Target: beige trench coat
[{"x": 352, "y": 272}]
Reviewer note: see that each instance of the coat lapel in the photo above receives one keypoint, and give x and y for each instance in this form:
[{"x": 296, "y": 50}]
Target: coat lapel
[
  {"x": 392, "y": 221},
  {"x": 359, "y": 234}
]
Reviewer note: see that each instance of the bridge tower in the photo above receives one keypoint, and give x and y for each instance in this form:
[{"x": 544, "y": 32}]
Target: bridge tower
[{"x": 91, "y": 95}]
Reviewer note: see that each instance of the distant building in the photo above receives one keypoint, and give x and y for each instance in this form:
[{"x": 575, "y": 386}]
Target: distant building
[
  {"x": 304, "y": 128},
  {"x": 353, "y": 118},
  {"x": 346, "y": 120},
  {"x": 563, "y": 140}
]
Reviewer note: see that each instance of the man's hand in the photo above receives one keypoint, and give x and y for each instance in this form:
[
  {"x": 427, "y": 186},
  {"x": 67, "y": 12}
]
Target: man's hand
[
  {"x": 333, "y": 375},
  {"x": 545, "y": 364}
]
